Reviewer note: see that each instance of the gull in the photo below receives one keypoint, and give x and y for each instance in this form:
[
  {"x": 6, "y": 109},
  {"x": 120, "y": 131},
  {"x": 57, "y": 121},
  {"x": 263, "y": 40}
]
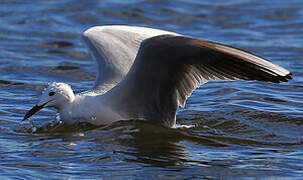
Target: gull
[{"x": 147, "y": 74}]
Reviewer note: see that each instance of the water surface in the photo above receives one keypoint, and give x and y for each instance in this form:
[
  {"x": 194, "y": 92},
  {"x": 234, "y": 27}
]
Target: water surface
[{"x": 242, "y": 129}]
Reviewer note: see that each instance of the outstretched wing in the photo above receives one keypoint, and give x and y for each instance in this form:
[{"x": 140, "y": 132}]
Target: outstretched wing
[
  {"x": 168, "y": 68},
  {"x": 114, "y": 48}
]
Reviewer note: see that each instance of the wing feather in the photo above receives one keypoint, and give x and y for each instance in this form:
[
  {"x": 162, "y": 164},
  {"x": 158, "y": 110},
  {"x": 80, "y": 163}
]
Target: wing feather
[
  {"x": 168, "y": 68},
  {"x": 114, "y": 49}
]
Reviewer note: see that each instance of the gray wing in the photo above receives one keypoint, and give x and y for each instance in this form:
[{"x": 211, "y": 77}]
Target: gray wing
[
  {"x": 114, "y": 49},
  {"x": 168, "y": 68}
]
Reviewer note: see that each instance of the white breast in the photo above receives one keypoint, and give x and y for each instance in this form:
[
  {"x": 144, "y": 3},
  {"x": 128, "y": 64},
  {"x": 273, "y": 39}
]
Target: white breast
[{"x": 90, "y": 109}]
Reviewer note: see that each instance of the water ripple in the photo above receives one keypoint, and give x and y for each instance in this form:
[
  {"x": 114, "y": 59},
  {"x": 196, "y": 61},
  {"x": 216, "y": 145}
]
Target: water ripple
[{"x": 241, "y": 129}]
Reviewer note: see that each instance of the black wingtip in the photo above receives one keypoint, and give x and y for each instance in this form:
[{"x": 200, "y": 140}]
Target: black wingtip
[
  {"x": 285, "y": 78},
  {"x": 288, "y": 76}
]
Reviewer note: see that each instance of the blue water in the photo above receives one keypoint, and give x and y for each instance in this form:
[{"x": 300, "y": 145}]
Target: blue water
[{"x": 242, "y": 129}]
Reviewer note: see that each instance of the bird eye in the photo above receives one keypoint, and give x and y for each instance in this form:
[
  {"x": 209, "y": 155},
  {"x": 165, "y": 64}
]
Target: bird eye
[{"x": 51, "y": 93}]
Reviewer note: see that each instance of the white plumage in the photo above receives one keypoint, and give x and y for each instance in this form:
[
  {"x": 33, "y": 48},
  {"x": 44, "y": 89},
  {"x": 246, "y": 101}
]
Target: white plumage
[{"x": 146, "y": 74}]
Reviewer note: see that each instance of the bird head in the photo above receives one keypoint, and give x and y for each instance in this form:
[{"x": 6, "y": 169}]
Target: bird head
[{"x": 56, "y": 95}]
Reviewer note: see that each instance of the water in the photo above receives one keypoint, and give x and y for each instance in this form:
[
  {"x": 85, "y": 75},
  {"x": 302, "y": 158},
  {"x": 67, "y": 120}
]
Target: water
[{"x": 236, "y": 130}]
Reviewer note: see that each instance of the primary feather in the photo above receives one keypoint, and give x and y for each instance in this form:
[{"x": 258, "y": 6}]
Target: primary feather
[{"x": 168, "y": 68}]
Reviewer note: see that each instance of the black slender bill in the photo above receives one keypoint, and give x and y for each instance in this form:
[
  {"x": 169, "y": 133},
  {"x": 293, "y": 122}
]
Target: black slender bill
[{"x": 33, "y": 111}]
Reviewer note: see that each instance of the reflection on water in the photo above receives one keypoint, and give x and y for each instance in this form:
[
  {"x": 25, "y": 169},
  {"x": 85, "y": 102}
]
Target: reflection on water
[
  {"x": 241, "y": 129},
  {"x": 216, "y": 142}
]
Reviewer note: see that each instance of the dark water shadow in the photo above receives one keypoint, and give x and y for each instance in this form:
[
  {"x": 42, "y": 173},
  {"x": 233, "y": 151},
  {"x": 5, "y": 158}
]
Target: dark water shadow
[
  {"x": 152, "y": 144},
  {"x": 218, "y": 145}
]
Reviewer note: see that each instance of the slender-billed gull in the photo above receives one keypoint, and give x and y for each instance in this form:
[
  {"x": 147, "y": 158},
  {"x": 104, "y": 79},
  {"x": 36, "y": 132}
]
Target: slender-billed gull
[{"x": 147, "y": 74}]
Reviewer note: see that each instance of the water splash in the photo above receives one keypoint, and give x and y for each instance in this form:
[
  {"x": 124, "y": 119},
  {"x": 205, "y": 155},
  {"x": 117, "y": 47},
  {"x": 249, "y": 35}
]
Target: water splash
[
  {"x": 183, "y": 126},
  {"x": 58, "y": 118},
  {"x": 93, "y": 118},
  {"x": 32, "y": 128}
]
